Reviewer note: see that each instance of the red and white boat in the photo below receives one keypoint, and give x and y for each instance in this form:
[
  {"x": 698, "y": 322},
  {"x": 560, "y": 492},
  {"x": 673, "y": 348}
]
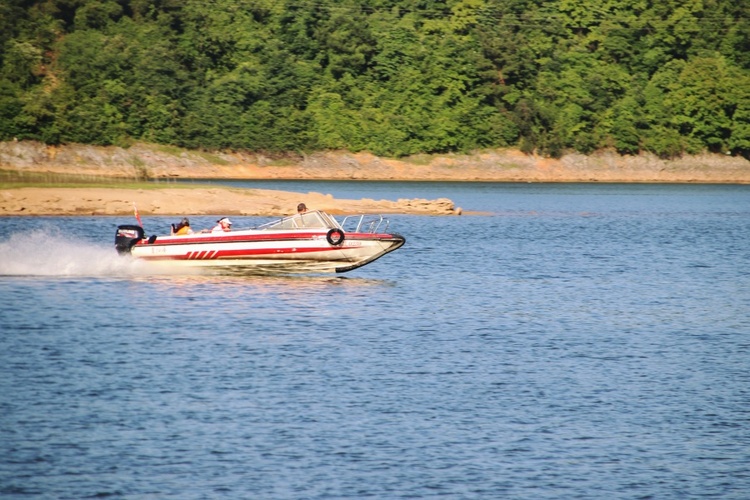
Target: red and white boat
[{"x": 310, "y": 242}]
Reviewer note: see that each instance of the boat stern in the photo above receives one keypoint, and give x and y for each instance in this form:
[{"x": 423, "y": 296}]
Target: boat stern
[{"x": 126, "y": 237}]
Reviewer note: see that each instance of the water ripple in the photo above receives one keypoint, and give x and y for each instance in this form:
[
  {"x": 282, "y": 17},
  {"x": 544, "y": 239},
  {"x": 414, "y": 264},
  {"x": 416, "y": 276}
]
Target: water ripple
[{"x": 585, "y": 342}]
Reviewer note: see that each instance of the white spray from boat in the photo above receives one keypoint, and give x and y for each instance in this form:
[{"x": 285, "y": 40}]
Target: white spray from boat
[{"x": 49, "y": 252}]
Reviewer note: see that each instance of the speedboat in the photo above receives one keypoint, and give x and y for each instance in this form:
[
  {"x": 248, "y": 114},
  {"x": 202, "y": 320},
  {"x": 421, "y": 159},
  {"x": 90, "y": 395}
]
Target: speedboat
[{"x": 313, "y": 241}]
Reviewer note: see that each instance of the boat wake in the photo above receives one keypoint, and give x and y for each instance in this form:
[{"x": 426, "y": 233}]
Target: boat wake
[{"x": 51, "y": 253}]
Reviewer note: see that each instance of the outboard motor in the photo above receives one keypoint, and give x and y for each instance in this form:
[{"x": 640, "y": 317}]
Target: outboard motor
[{"x": 126, "y": 237}]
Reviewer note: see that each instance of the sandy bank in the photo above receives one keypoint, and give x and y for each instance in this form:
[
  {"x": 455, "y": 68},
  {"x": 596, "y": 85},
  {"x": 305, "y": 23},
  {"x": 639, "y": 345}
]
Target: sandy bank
[{"x": 199, "y": 201}]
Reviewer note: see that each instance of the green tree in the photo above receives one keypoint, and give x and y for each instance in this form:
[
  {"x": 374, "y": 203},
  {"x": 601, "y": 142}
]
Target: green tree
[
  {"x": 10, "y": 108},
  {"x": 702, "y": 101},
  {"x": 395, "y": 77}
]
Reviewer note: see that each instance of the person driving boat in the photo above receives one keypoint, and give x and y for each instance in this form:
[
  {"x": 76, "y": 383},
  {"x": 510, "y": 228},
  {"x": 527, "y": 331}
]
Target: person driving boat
[
  {"x": 182, "y": 228},
  {"x": 222, "y": 225}
]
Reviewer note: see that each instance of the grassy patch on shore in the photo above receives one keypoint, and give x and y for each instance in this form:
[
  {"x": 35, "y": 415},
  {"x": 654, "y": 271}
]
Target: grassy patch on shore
[{"x": 13, "y": 179}]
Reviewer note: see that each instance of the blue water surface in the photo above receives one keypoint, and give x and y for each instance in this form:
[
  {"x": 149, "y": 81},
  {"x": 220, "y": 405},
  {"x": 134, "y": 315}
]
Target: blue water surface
[{"x": 577, "y": 341}]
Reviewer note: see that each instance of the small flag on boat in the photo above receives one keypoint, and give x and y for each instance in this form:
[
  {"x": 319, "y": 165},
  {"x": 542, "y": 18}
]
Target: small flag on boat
[{"x": 137, "y": 217}]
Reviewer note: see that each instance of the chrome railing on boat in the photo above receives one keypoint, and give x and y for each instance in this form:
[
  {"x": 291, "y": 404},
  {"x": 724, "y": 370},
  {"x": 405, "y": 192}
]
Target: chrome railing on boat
[{"x": 364, "y": 223}]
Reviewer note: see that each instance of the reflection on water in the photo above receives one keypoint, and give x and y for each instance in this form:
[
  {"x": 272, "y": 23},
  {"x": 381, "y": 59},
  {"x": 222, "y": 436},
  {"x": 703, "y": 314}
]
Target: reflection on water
[{"x": 281, "y": 285}]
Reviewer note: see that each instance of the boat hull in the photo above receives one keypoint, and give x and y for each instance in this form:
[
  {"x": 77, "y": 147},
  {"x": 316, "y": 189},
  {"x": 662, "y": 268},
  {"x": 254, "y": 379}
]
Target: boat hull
[{"x": 267, "y": 251}]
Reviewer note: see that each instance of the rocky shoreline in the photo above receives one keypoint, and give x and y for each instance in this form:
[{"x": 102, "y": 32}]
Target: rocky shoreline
[
  {"x": 148, "y": 161},
  {"x": 506, "y": 165}
]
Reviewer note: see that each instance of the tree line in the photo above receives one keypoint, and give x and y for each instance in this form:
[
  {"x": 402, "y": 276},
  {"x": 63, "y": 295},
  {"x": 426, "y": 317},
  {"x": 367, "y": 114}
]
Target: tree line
[{"x": 393, "y": 77}]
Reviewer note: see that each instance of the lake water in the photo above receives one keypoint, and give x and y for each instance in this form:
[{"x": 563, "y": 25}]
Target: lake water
[{"x": 579, "y": 341}]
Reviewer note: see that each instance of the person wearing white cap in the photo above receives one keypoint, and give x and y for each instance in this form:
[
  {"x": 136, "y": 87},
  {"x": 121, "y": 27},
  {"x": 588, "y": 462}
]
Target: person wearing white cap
[{"x": 222, "y": 225}]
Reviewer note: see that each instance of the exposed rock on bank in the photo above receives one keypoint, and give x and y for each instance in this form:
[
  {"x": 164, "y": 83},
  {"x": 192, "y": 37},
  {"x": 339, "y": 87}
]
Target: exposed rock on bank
[{"x": 153, "y": 161}]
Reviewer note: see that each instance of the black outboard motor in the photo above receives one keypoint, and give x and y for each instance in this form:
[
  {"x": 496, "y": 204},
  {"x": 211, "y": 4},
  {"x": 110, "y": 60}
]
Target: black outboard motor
[{"x": 126, "y": 237}]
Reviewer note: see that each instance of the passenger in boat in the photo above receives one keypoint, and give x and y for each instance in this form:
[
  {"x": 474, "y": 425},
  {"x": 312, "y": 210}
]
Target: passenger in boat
[
  {"x": 301, "y": 209},
  {"x": 182, "y": 228},
  {"x": 222, "y": 225}
]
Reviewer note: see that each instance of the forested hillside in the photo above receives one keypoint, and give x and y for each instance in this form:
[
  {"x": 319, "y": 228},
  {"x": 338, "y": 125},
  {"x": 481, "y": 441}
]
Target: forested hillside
[{"x": 393, "y": 77}]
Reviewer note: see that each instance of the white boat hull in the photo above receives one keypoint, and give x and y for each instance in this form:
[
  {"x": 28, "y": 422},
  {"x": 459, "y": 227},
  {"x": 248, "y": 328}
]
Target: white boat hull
[
  {"x": 314, "y": 242},
  {"x": 282, "y": 252}
]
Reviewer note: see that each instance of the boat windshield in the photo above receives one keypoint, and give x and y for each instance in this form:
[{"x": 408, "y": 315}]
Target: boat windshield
[{"x": 308, "y": 220}]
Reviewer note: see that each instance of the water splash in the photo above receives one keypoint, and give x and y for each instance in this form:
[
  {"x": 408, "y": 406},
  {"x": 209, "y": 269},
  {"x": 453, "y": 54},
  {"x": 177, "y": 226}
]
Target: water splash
[
  {"x": 50, "y": 252},
  {"x": 54, "y": 251}
]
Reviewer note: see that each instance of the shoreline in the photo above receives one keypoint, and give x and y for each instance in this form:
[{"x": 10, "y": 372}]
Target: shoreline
[
  {"x": 149, "y": 161},
  {"x": 33, "y": 162}
]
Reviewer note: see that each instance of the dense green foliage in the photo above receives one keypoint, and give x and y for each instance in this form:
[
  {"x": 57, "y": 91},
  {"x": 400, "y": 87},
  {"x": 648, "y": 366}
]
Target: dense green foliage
[{"x": 394, "y": 77}]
